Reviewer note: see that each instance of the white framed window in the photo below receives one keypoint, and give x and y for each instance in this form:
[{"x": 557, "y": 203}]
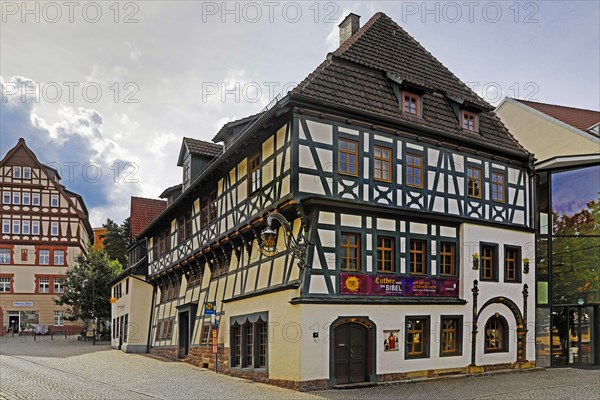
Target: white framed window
[
  {"x": 35, "y": 199},
  {"x": 54, "y": 229},
  {"x": 16, "y": 198},
  {"x": 25, "y": 227},
  {"x": 16, "y": 172},
  {"x": 59, "y": 257},
  {"x": 44, "y": 285},
  {"x": 5, "y": 197},
  {"x": 59, "y": 285},
  {"x": 54, "y": 200},
  {"x": 26, "y": 198},
  {"x": 26, "y": 172},
  {"x": 58, "y": 318},
  {"x": 6, "y": 226},
  {"x": 44, "y": 257},
  {"x": 4, "y": 256},
  {"x": 35, "y": 227},
  {"x": 16, "y": 224},
  {"x": 4, "y": 284}
]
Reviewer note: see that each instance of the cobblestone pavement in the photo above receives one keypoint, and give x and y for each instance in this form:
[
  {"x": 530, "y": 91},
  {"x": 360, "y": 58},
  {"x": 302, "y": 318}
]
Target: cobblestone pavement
[{"x": 69, "y": 369}]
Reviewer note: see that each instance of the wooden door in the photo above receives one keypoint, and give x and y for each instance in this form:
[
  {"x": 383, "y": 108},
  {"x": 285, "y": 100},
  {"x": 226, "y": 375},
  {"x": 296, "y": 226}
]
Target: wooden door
[{"x": 350, "y": 353}]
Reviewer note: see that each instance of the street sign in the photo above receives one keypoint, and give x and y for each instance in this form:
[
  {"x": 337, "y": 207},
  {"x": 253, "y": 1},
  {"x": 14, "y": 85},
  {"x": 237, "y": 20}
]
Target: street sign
[{"x": 210, "y": 307}]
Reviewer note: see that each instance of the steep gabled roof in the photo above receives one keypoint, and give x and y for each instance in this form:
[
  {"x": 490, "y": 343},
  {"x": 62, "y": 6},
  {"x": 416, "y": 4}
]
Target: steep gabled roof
[
  {"x": 578, "y": 118},
  {"x": 143, "y": 211},
  {"x": 54, "y": 180},
  {"x": 356, "y": 77}
]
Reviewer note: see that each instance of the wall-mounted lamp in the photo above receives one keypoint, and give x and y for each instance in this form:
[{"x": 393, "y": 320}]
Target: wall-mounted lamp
[{"x": 295, "y": 245}]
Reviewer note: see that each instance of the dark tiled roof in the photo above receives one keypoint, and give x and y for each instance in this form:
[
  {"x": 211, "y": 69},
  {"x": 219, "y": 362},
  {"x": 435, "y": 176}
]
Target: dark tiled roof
[
  {"x": 169, "y": 190},
  {"x": 203, "y": 148},
  {"x": 143, "y": 211},
  {"x": 354, "y": 76},
  {"x": 576, "y": 117}
]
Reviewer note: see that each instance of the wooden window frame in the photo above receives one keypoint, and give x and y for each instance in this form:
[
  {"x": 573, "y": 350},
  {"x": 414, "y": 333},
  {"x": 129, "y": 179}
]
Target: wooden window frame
[
  {"x": 492, "y": 259},
  {"x": 498, "y": 187},
  {"x": 415, "y": 252},
  {"x": 54, "y": 257},
  {"x": 27, "y": 173},
  {"x": 16, "y": 168},
  {"x": 254, "y": 174},
  {"x": 261, "y": 336},
  {"x": 468, "y": 115},
  {"x": 348, "y": 153},
  {"x": 204, "y": 211},
  {"x": 34, "y": 224},
  {"x": 383, "y": 161},
  {"x": 54, "y": 282},
  {"x": 212, "y": 206},
  {"x": 499, "y": 323},
  {"x": 345, "y": 244},
  {"x": 444, "y": 255},
  {"x": 424, "y": 333},
  {"x": 9, "y": 250},
  {"x": 236, "y": 345},
  {"x": 6, "y": 198},
  {"x": 5, "y": 225},
  {"x": 11, "y": 283},
  {"x": 417, "y": 102},
  {"x": 458, "y": 336},
  {"x": 382, "y": 250},
  {"x": 36, "y": 199},
  {"x": 205, "y": 333},
  {"x": 186, "y": 173},
  {"x": 471, "y": 182},
  {"x": 39, "y": 257},
  {"x": 512, "y": 255},
  {"x": 248, "y": 341},
  {"x": 26, "y": 195},
  {"x": 413, "y": 166},
  {"x": 52, "y": 197}
]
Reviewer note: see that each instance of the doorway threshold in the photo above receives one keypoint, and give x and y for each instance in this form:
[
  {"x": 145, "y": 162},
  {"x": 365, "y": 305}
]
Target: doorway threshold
[{"x": 357, "y": 385}]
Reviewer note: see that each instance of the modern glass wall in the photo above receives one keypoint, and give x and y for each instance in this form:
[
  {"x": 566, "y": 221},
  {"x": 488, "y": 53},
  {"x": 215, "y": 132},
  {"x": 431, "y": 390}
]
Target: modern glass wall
[{"x": 567, "y": 265}]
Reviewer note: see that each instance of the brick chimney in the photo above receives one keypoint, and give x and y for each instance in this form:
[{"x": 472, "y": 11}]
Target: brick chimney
[{"x": 349, "y": 26}]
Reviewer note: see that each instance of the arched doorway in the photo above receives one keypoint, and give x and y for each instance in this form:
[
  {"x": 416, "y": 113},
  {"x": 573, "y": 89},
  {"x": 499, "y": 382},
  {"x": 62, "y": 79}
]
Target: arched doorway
[
  {"x": 521, "y": 326},
  {"x": 352, "y": 351}
]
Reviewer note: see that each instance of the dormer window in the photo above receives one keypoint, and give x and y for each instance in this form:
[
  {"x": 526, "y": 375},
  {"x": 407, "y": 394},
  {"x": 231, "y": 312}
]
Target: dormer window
[
  {"x": 469, "y": 121},
  {"x": 411, "y": 103}
]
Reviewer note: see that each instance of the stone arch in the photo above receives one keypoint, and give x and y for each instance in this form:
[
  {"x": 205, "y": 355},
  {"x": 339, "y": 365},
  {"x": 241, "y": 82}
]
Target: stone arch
[{"x": 521, "y": 328}]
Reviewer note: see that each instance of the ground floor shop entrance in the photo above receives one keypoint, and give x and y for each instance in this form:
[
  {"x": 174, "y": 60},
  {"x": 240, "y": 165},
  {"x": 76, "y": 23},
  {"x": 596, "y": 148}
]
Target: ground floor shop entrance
[{"x": 575, "y": 331}]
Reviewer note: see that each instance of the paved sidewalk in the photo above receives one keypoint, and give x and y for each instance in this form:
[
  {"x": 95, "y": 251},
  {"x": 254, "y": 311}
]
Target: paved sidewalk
[{"x": 69, "y": 369}]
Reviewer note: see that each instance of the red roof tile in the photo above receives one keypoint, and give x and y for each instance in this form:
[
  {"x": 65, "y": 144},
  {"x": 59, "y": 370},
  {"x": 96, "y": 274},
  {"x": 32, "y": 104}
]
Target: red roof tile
[
  {"x": 576, "y": 117},
  {"x": 143, "y": 211}
]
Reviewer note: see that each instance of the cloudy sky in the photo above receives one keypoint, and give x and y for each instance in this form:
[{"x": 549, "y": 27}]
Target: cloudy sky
[{"x": 105, "y": 91}]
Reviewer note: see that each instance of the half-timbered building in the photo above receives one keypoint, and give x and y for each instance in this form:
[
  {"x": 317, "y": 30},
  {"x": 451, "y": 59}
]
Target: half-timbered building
[
  {"x": 44, "y": 229},
  {"x": 416, "y": 206}
]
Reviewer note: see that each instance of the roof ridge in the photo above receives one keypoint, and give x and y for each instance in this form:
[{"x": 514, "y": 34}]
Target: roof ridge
[
  {"x": 352, "y": 39},
  {"x": 555, "y": 105}
]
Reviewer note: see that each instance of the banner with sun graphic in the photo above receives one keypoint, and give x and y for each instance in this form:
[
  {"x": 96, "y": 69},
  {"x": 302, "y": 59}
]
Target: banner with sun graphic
[{"x": 394, "y": 285}]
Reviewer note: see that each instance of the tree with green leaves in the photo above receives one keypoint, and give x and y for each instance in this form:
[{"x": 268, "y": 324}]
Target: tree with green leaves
[
  {"x": 116, "y": 240},
  {"x": 88, "y": 290}
]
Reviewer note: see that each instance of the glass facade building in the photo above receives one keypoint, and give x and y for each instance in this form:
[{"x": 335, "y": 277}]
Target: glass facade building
[{"x": 568, "y": 266}]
